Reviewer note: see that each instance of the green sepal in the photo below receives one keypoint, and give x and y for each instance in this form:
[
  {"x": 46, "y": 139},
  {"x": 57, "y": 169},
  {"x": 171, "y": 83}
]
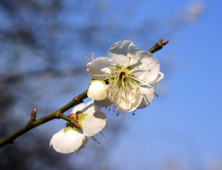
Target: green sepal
[
  {"x": 79, "y": 112},
  {"x": 67, "y": 124},
  {"x": 67, "y": 129},
  {"x": 81, "y": 118},
  {"x": 71, "y": 128},
  {"x": 102, "y": 81},
  {"x": 76, "y": 129}
]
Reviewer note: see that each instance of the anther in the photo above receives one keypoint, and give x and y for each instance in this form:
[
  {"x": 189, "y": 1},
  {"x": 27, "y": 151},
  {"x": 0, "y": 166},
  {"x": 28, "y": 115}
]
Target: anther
[
  {"x": 154, "y": 88},
  {"x": 133, "y": 114},
  {"x": 124, "y": 117},
  {"x": 85, "y": 57},
  {"x": 158, "y": 84},
  {"x": 101, "y": 57},
  {"x": 92, "y": 53}
]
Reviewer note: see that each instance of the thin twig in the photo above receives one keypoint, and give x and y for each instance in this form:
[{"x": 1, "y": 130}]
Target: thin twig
[{"x": 10, "y": 139}]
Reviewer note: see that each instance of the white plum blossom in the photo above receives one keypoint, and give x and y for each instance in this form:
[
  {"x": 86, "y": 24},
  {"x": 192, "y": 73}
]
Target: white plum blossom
[
  {"x": 130, "y": 73},
  {"x": 90, "y": 122},
  {"x": 98, "y": 90}
]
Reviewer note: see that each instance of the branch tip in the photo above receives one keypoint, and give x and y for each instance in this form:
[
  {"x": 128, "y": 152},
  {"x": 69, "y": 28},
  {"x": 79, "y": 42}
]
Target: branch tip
[
  {"x": 34, "y": 111},
  {"x": 162, "y": 43},
  {"x": 33, "y": 116}
]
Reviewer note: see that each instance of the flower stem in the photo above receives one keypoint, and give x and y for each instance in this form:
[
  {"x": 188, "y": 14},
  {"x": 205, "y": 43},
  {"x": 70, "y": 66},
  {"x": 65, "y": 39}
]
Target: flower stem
[{"x": 10, "y": 139}]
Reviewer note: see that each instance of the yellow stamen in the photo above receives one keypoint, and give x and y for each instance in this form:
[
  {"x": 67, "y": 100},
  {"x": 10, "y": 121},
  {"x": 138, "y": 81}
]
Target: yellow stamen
[
  {"x": 154, "y": 88},
  {"x": 124, "y": 117},
  {"x": 158, "y": 84}
]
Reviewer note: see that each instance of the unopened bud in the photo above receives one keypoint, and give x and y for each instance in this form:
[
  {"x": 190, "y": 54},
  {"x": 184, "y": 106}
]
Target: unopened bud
[{"x": 98, "y": 90}]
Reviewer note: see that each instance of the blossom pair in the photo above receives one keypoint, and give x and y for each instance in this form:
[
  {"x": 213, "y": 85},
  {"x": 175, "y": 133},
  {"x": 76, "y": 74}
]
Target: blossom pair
[
  {"x": 129, "y": 74},
  {"x": 90, "y": 121}
]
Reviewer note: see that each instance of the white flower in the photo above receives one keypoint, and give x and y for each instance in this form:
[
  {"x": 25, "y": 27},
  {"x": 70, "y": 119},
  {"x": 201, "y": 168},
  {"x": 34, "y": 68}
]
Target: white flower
[
  {"x": 130, "y": 73},
  {"x": 67, "y": 141},
  {"x": 98, "y": 90},
  {"x": 90, "y": 120}
]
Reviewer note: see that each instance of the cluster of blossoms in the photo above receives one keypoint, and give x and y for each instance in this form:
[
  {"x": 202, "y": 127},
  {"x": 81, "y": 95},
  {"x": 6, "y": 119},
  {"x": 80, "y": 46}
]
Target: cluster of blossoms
[{"x": 124, "y": 79}]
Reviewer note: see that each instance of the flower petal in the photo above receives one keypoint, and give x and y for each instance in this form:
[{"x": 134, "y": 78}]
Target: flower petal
[
  {"x": 147, "y": 69},
  {"x": 93, "y": 68},
  {"x": 130, "y": 104},
  {"x": 67, "y": 142},
  {"x": 90, "y": 107},
  {"x": 120, "y": 52},
  {"x": 84, "y": 143},
  {"x": 103, "y": 103},
  {"x": 148, "y": 95},
  {"x": 159, "y": 77},
  {"x": 106, "y": 70},
  {"x": 98, "y": 91},
  {"x": 94, "y": 123},
  {"x": 77, "y": 108}
]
